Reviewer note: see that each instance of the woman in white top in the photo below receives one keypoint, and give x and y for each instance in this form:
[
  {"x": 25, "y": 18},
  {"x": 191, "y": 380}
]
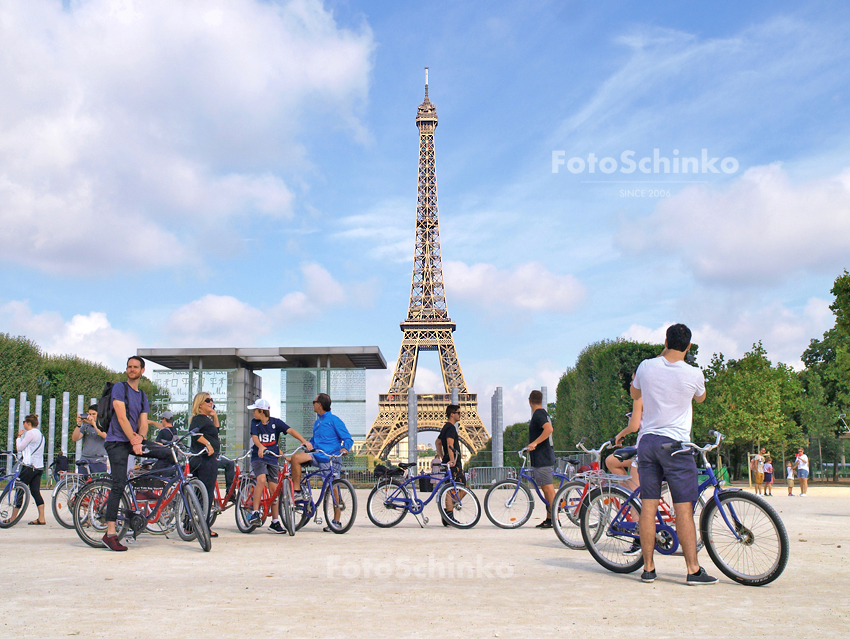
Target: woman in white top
[{"x": 30, "y": 443}]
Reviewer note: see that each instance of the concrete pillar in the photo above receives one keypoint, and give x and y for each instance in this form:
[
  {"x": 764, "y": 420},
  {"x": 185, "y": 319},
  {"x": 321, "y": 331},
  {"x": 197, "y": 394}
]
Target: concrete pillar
[
  {"x": 80, "y": 410},
  {"x": 247, "y": 387},
  {"x": 497, "y": 429},
  {"x": 51, "y": 433},
  {"x": 412, "y": 431},
  {"x": 455, "y": 392},
  {"x": 66, "y": 408},
  {"x": 545, "y": 392},
  {"x": 38, "y": 409},
  {"x": 10, "y": 438},
  {"x": 22, "y": 411}
]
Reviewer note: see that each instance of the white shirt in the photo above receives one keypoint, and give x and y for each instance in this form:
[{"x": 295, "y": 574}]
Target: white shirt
[
  {"x": 668, "y": 389},
  {"x": 802, "y": 462},
  {"x": 31, "y": 445}
]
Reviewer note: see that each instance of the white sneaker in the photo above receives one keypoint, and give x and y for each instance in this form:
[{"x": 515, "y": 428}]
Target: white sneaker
[{"x": 803, "y": 495}]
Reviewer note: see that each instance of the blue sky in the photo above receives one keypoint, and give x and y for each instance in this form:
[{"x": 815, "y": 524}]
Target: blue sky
[{"x": 243, "y": 173}]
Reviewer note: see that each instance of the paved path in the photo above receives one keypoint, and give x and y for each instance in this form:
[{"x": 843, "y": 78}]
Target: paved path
[{"x": 376, "y": 583}]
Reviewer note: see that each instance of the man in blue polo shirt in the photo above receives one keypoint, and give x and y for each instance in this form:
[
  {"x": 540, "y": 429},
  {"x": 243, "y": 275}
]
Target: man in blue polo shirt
[
  {"x": 329, "y": 435},
  {"x": 265, "y": 434}
]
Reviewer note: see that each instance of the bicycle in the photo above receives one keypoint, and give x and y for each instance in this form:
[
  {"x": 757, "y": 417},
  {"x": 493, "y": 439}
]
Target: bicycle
[
  {"x": 742, "y": 533},
  {"x": 335, "y": 494},
  {"x": 391, "y": 500},
  {"x": 220, "y": 504},
  {"x": 14, "y": 496},
  {"x": 66, "y": 489},
  {"x": 283, "y": 495},
  {"x": 509, "y": 503},
  {"x": 155, "y": 509}
]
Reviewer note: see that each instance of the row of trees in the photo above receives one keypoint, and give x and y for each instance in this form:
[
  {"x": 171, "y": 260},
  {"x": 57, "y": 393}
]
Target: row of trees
[
  {"x": 24, "y": 368},
  {"x": 752, "y": 401}
]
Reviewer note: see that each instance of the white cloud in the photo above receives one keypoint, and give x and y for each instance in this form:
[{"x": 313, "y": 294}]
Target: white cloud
[
  {"x": 760, "y": 228},
  {"x": 527, "y": 287},
  {"x": 90, "y": 337},
  {"x": 784, "y": 333},
  {"x": 139, "y": 120},
  {"x": 387, "y": 230},
  {"x": 219, "y": 320}
]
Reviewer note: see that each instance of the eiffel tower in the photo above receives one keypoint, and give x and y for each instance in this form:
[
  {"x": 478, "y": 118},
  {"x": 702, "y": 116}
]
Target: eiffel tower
[{"x": 427, "y": 327}]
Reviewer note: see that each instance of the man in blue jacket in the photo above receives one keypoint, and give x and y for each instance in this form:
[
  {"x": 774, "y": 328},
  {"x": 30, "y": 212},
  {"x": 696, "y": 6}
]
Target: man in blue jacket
[{"x": 329, "y": 435}]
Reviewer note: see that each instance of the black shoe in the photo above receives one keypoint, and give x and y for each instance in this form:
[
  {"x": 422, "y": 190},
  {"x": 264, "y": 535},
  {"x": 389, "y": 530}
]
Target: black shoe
[
  {"x": 634, "y": 550},
  {"x": 702, "y": 578},
  {"x": 648, "y": 576},
  {"x": 275, "y": 527},
  {"x": 449, "y": 517},
  {"x": 546, "y": 523}
]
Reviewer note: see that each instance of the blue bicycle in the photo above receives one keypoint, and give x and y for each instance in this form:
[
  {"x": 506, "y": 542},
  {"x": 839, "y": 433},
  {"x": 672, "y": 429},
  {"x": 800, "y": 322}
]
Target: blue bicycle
[
  {"x": 742, "y": 533},
  {"x": 336, "y": 495},
  {"x": 509, "y": 503},
  {"x": 14, "y": 497},
  {"x": 395, "y": 495}
]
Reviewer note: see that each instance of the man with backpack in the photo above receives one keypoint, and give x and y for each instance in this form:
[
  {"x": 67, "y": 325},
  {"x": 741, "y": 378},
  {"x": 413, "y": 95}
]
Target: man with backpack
[{"x": 128, "y": 427}]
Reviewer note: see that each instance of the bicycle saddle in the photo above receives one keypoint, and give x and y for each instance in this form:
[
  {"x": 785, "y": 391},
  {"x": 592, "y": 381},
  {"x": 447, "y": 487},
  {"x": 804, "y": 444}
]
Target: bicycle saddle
[
  {"x": 404, "y": 466},
  {"x": 627, "y": 452},
  {"x": 572, "y": 461}
]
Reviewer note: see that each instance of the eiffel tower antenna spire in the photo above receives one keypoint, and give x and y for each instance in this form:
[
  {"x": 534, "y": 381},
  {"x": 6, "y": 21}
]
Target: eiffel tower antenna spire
[{"x": 427, "y": 326}]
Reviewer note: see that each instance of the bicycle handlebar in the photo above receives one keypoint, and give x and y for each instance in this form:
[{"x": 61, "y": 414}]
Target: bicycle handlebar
[
  {"x": 596, "y": 451},
  {"x": 684, "y": 446}
]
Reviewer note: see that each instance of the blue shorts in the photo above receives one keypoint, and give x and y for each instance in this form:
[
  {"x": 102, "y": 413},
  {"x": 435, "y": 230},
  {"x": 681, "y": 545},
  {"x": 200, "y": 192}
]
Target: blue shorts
[
  {"x": 334, "y": 463},
  {"x": 656, "y": 465},
  {"x": 802, "y": 474}
]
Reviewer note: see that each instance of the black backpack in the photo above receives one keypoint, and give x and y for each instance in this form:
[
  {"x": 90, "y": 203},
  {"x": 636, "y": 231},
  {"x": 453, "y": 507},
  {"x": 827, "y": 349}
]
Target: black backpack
[{"x": 104, "y": 405}]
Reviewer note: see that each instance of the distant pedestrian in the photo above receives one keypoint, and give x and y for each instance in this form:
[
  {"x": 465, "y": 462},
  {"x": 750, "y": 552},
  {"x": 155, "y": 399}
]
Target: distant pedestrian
[
  {"x": 167, "y": 430},
  {"x": 801, "y": 465},
  {"x": 757, "y": 467},
  {"x": 94, "y": 442},
  {"x": 541, "y": 452},
  {"x": 768, "y": 476},
  {"x": 30, "y": 443},
  {"x": 789, "y": 477}
]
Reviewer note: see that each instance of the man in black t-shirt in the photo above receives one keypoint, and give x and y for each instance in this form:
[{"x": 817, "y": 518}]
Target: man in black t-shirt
[
  {"x": 448, "y": 448},
  {"x": 167, "y": 431},
  {"x": 541, "y": 452}
]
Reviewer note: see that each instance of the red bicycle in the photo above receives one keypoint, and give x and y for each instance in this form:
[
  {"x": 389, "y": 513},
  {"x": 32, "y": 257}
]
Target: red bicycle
[
  {"x": 220, "y": 504},
  {"x": 283, "y": 495}
]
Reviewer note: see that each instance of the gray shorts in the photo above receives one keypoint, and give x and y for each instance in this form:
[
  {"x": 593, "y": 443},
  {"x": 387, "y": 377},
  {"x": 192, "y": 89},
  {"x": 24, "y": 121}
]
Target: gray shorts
[
  {"x": 543, "y": 475},
  {"x": 336, "y": 463},
  {"x": 260, "y": 467}
]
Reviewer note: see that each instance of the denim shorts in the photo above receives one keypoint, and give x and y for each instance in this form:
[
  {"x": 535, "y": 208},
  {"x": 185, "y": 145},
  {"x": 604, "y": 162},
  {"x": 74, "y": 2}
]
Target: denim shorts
[
  {"x": 336, "y": 463},
  {"x": 657, "y": 464},
  {"x": 802, "y": 474}
]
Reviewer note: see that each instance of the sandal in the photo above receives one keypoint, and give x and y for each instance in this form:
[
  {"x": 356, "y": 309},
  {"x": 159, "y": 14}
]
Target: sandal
[
  {"x": 213, "y": 534},
  {"x": 36, "y": 522}
]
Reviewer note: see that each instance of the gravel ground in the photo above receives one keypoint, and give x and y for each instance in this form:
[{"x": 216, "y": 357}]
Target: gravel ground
[{"x": 409, "y": 581}]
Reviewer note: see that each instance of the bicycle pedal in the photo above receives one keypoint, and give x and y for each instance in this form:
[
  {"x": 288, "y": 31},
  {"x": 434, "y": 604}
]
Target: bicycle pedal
[
  {"x": 318, "y": 521},
  {"x": 425, "y": 520}
]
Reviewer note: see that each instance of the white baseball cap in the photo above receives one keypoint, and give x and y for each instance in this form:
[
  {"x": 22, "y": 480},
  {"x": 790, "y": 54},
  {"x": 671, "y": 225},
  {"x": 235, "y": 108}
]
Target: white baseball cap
[{"x": 262, "y": 404}]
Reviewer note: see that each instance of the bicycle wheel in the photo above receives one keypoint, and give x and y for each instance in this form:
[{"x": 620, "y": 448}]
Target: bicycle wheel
[
  {"x": 286, "y": 505},
  {"x": 245, "y": 505},
  {"x": 383, "y": 505},
  {"x": 345, "y": 500},
  {"x": 761, "y": 553},
  {"x": 89, "y": 511},
  {"x": 304, "y": 509},
  {"x": 185, "y": 521},
  {"x": 599, "y": 528},
  {"x": 466, "y": 510},
  {"x": 566, "y": 515},
  {"x": 698, "y": 506},
  {"x": 508, "y": 504},
  {"x": 198, "y": 518},
  {"x": 10, "y": 497},
  {"x": 62, "y": 499}
]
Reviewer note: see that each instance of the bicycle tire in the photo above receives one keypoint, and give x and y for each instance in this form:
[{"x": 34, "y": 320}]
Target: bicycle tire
[
  {"x": 90, "y": 513},
  {"x": 286, "y": 506},
  {"x": 305, "y": 509},
  {"x": 764, "y": 546},
  {"x": 198, "y": 517},
  {"x": 380, "y": 512},
  {"x": 185, "y": 521},
  {"x": 566, "y": 514},
  {"x": 245, "y": 505},
  {"x": 508, "y": 504},
  {"x": 61, "y": 501},
  {"x": 346, "y": 502},
  {"x": 607, "y": 548},
  {"x": 467, "y": 508},
  {"x": 9, "y": 498}
]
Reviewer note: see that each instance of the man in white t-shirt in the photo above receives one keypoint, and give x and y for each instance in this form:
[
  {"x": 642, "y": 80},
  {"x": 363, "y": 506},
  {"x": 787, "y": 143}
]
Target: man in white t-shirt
[
  {"x": 802, "y": 467},
  {"x": 668, "y": 386}
]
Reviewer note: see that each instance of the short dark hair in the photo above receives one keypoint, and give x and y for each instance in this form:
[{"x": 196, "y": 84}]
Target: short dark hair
[
  {"x": 92, "y": 407},
  {"x": 266, "y": 413},
  {"x": 536, "y": 397},
  {"x": 452, "y": 408},
  {"x": 678, "y": 337},
  {"x": 168, "y": 420},
  {"x": 32, "y": 420},
  {"x": 138, "y": 359},
  {"x": 325, "y": 400}
]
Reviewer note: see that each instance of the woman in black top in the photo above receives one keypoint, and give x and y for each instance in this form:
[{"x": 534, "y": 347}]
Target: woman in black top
[{"x": 205, "y": 422}]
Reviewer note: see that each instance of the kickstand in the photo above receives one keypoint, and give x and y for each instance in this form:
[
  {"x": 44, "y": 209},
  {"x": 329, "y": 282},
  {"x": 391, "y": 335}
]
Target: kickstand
[{"x": 421, "y": 523}]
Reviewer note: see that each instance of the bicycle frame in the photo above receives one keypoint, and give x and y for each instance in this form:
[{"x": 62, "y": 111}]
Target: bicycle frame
[
  {"x": 327, "y": 475},
  {"x": 413, "y": 504},
  {"x": 524, "y": 473},
  {"x": 13, "y": 476},
  {"x": 223, "y": 503}
]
